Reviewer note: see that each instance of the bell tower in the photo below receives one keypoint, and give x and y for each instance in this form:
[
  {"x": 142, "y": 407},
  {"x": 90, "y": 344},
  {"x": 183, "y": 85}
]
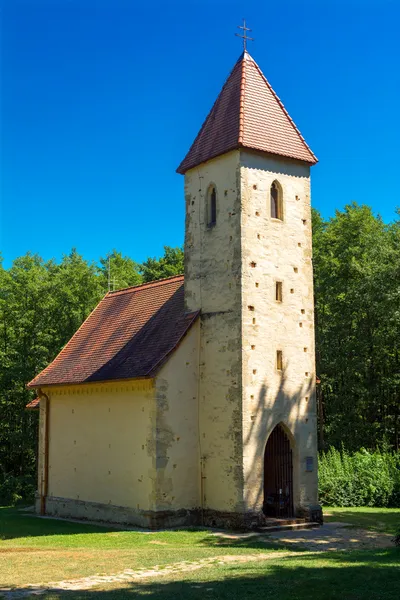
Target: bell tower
[{"x": 248, "y": 268}]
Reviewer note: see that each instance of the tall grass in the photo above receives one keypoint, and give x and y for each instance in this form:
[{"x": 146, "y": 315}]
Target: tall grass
[{"x": 361, "y": 478}]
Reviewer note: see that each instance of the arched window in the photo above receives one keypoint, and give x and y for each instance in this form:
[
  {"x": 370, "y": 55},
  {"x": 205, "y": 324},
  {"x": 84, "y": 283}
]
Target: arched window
[
  {"x": 276, "y": 201},
  {"x": 211, "y": 206}
]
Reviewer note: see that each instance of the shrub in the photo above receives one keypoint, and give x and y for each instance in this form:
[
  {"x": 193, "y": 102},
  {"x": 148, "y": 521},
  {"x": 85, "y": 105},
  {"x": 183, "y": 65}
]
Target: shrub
[
  {"x": 396, "y": 538},
  {"x": 362, "y": 478},
  {"x": 16, "y": 489}
]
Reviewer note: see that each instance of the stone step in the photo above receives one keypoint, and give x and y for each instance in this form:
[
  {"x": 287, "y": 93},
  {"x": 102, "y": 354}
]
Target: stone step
[
  {"x": 272, "y": 521},
  {"x": 288, "y": 527}
]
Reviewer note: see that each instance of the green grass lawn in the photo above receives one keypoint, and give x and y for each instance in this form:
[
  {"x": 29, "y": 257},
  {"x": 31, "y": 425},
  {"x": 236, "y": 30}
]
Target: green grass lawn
[
  {"x": 357, "y": 576},
  {"x": 378, "y": 519},
  {"x": 34, "y": 550}
]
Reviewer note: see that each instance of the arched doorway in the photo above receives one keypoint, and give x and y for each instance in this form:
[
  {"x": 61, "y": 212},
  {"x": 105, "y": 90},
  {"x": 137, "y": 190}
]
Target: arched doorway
[{"x": 278, "y": 475}]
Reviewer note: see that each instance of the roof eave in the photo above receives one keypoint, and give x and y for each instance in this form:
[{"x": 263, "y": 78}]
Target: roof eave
[
  {"x": 313, "y": 159},
  {"x": 240, "y": 146},
  {"x": 182, "y": 170},
  {"x": 93, "y": 382}
]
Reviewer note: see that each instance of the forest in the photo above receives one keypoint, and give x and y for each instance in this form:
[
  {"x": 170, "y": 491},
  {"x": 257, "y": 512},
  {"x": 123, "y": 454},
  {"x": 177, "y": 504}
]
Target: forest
[{"x": 356, "y": 259}]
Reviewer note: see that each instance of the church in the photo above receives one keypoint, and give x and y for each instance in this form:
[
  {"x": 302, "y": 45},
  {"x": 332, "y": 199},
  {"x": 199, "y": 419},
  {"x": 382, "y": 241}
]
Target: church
[{"x": 191, "y": 400}]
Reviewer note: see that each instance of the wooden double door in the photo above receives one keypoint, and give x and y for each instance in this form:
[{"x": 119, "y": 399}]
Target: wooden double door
[{"x": 278, "y": 475}]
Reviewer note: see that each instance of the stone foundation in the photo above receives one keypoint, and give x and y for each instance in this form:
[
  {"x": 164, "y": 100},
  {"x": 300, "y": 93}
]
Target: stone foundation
[
  {"x": 232, "y": 520},
  {"x": 92, "y": 511},
  {"x": 123, "y": 515},
  {"x": 163, "y": 519},
  {"x": 312, "y": 513}
]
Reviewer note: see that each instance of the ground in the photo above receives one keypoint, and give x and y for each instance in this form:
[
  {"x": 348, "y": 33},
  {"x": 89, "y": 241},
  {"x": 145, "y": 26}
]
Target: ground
[
  {"x": 376, "y": 519},
  {"x": 62, "y": 560}
]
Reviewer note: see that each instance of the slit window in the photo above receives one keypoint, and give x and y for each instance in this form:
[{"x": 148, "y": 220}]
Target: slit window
[
  {"x": 278, "y": 291},
  {"x": 279, "y": 360},
  {"x": 276, "y": 201},
  {"x": 212, "y": 206}
]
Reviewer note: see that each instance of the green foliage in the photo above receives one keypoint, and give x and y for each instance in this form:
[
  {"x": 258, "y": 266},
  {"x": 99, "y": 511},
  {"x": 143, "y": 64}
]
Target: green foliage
[
  {"x": 168, "y": 265},
  {"x": 356, "y": 261},
  {"x": 10, "y": 490},
  {"x": 15, "y": 489},
  {"x": 396, "y": 538},
  {"x": 117, "y": 271},
  {"x": 361, "y": 478}
]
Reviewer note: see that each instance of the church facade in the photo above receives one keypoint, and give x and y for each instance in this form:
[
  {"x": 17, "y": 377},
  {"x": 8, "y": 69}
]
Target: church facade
[{"x": 192, "y": 400}]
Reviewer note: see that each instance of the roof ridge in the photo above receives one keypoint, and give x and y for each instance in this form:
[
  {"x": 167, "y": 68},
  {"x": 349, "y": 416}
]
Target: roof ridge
[
  {"x": 242, "y": 96},
  {"x": 147, "y": 284},
  {"x": 293, "y": 124},
  {"x": 198, "y": 136}
]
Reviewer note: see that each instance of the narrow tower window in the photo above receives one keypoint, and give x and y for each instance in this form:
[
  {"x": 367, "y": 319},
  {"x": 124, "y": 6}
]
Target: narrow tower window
[
  {"x": 279, "y": 360},
  {"x": 276, "y": 201},
  {"x": 278, "y": 291},
  {"x": 211, "y": 206}
]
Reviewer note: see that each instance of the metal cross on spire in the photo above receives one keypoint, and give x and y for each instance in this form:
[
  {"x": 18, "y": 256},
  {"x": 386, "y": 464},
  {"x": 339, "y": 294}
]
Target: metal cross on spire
[{"x": 244, "y": 36}]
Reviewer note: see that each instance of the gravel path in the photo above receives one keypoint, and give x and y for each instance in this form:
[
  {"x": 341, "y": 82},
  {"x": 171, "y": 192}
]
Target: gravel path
[
  {"x": 331, "y": 536},
  {"x": 334, "y": 536}
]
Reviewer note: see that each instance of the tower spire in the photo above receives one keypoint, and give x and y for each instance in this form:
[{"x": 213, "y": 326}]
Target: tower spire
[
  {"x": 244, "y": 36},
  {"x": 247, "y": 114}
]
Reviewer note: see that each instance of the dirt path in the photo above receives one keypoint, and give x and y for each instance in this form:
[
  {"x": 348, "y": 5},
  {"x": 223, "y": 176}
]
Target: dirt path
[
  {"x": 128, "y": 575},
  {"x": 335, "y": 536},
  {"x": 331, "y": 536}
]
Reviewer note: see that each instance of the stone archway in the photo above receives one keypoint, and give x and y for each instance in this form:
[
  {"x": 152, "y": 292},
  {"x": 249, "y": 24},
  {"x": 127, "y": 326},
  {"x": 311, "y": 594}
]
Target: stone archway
[{"x": 278, "y": 475}]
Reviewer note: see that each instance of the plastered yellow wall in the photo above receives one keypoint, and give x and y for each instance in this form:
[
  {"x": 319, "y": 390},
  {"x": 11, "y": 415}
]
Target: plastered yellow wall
[
  {"x": 176, "y": 458},
  {"x": 99, "y": 439}
]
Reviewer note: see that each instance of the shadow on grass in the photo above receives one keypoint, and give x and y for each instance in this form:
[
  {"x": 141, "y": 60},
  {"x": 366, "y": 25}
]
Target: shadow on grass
[
  {"x": 230, "y": 540},
  {"x": 333, "y": 576},
  {"x": 15, "y": 523},
  {"x": 379, "y": 519}
]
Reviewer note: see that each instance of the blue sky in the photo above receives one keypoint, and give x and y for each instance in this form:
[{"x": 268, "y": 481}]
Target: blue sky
[{"x": 102, "y": 98}]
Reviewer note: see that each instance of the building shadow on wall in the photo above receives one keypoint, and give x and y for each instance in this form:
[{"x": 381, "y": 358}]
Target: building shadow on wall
[{"x": 288, "y": 409}]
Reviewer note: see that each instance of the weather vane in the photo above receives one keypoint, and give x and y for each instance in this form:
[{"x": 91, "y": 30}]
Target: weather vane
[{"x": 244, "y": 36}]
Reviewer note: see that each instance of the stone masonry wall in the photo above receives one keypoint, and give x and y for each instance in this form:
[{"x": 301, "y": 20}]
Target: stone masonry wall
[
  {"x": 213, "y": 283},
  {"x": 274, "y": 250}
]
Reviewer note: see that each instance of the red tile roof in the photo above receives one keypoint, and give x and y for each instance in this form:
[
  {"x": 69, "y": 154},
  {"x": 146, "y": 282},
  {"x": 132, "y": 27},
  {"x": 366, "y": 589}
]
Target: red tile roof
[
  {"x": 33, "y": 404},
  {"x": 128, "y": 335},
  {"x": 247, "y": 114}
]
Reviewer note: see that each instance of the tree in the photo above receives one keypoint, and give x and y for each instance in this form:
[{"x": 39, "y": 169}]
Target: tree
[
  {"x": 166, "y": 266},
  {"x": 117, "y": 271},
  {"x": 357, "y": 327},
  {"x": 24, "y": 307}
]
